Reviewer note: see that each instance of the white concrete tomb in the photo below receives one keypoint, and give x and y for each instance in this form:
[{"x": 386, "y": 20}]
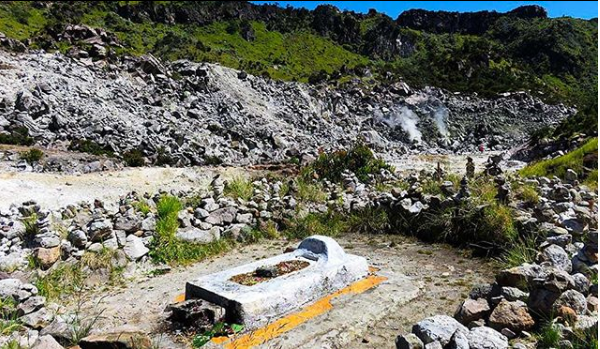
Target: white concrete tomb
[{"x": 329, "y": 270}]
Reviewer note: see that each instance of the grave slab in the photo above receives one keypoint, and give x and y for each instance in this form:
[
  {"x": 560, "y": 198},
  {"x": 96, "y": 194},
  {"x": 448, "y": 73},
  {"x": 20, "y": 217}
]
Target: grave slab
[{"x": 329, "y": 269}]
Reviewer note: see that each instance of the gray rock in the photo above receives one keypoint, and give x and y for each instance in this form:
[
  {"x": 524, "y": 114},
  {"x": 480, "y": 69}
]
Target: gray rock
[
  {"x": 10, "y": 288},
  {"x": 30, "y": 305},
  {"x": 582, "y": 284},
  {"x": 13, "y": 230},
  {"x": 78, "y": 238},
  {"x": 201, "y": 213},
  {"x": 47, "y": 240},
  {"x": 37, "y": 320},
  {"x": 514, "y": 294},
  {"x": 134, "y": 248},
  {"x": 557, "y": 257},
  {"x": 486, "y": 338},
  {"x": 58, "y": 329},
  {"x": 149, "y": 224},
  {"x": 196, "y": 235},
  {"x": 437, "y": 328},
  {"x": 409, "y": 341},
  {"x": 458, "y": 341},
  {"x": 573, "y": 300},
  {"x": 46, "y": 342},
  {"x": 99, "y": 229},
  {"x": 471, "y": 310},
  {"x": 245, "y": 218},
  {"x": 209, "y": 204},
  {"x": 129, "y": 224},
  {"x": 224, "y": 215},
  {"x": 185, "y": 218}
]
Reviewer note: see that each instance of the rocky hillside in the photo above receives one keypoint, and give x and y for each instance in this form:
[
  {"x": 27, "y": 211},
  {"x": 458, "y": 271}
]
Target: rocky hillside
[
  {"x": 484, "y": 52},
  {"x": 183, "y": 113}
]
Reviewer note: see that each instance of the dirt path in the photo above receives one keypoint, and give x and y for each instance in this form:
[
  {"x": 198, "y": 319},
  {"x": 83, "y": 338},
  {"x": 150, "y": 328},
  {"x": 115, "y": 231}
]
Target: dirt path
[{"x": 446, "y": 277}]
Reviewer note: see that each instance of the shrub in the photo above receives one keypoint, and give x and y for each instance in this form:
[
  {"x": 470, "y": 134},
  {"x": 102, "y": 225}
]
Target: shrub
[
  {"x": 369, "y": 221},
  {"x": 134, "y": 158},
  {"x": 359, "y": 159},
  {"x": 61, "y": 281},
  {"x": 90, "y": 147},
  {"x": 32, "y": 156},
  {"x": 239, "y": 187},
  {"x": 548, "y": 336},
  {"x": 18, "y": 136}
]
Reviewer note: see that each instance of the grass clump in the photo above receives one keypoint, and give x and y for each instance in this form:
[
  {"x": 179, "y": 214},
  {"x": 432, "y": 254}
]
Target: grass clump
[
  {"x": 548, "y": 336},
  {"x": 359, "y": 160},
  {"x": 32, "y": 156},
  {"x": 528, "y": 194},
  {"x": 575, "y": 160},
  {"x": 62, "y": 280},
  {"x": 143, "y": 207},
  {"x": 239, "y": 188},
  {"x": 329, "y": 224},
  {"x": 167, "y": 248},
  {"x": 310, "y": 191},
  {"x": 523, "y": 250},
  {"x": 104, "y": 260},
  {"x": 9, "y": 321}
]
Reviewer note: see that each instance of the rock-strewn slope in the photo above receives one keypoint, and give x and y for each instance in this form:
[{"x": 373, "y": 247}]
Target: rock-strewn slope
[{"x": 204, "y": 113}]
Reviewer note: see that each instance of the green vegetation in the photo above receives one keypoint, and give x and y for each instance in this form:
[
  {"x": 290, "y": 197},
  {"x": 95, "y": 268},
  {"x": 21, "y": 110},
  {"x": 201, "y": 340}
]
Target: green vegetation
[
  {"x": 134, "y": 158},
  {"x": 548, "y": 336},
  {"x": 219, "y": 329},
  {"x": 143, "y": 207},
  {"x": 359, "y": 159},
  {"x": 90, "y": 147},
  {"x": 522, "y": 250},
  {"x": 32, "y": 156},
  {"x": 166, "y": 248},
  {"x": 528, "y": 193},
  {"x": 310, "y": 191},
  {"x": 18, "y": 136},
  {"x": 578, "y": 160},
  {"x": 8, "y": 316},
  {"x": 239, "y": 187},
  {"x": 557, "y": 56}
]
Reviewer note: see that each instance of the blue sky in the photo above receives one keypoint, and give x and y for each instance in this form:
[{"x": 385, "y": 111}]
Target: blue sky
[{"x": 579, "y": 9}]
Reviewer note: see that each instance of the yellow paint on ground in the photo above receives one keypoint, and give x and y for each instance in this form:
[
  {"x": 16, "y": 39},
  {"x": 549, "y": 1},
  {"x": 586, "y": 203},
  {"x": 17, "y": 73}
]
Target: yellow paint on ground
[
  {"x": 264, "y": 334},
  {"x": 179, "y": 298}
]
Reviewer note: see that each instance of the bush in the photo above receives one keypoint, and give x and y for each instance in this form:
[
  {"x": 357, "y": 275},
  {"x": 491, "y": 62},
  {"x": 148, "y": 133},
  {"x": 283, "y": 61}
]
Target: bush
[
  {"x": 134, "y": 158},
  {"x": 524, "y": 250},
  {"x": 18, "y": 136},
  {"x": 328, "y": 224},
  {"x": 90, "y": 147},
  {"x": 239, "y": 187},
  {"x": 32, "y": 155},
  {"x": 359, "y": 160},
  {"x": 310, "y": 191},
  {"x": 528, "y": 194}
]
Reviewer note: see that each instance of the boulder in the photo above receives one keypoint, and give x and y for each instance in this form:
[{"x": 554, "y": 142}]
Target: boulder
[
  {"x": 471, "y": 310},
  {"x": 46, "y": 257},
  {"x": 521, "y": 276},
  {"x": 409, "y": 341},
  {"x": 195, "y": 235},
  {"x": 438, "y": 328},
  {"x": 486, "y": 338},
  {"x": 512, "y": 315},
  {"x": 129, "y": 223},
  {"x": 573, "y": 300},
  {"x": 134, "y": 248},
  {"x": 46, "y": 342},
  {"x": 557, "y": 257}
]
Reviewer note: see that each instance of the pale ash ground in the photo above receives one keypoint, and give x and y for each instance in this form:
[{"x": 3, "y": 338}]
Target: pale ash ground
[{"x": 56, "y": 190}]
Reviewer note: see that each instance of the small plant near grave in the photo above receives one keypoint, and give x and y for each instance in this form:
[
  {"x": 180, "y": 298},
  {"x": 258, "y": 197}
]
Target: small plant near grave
[
  {"x": 18, "y": 136},
  {"x": 220, "y": 329},
  {"x": 524, "y": 250},
  {"x": 32, "y": 156}
]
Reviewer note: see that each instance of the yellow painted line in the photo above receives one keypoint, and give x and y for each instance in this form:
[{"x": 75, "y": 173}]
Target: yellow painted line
[{"x": 277, "y": 328}]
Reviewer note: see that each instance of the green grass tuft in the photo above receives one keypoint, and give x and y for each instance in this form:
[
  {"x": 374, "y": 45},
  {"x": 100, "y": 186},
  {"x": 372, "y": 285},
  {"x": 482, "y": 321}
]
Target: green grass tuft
[{"x": 239, "y": 188}]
